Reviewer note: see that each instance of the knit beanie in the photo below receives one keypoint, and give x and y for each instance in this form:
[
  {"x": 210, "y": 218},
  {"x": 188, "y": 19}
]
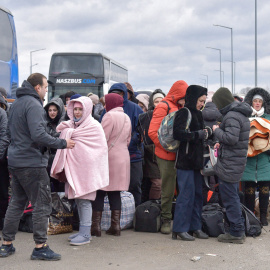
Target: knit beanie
[
  {"x": 157, "y": 95},
  {"x": 222, "y": 98},
  {"x": 94, "y": 98},
  {"x": 75, "y": 96},
  {"x": 144, "y": 99},
  {"x": 257, "y": 97}
]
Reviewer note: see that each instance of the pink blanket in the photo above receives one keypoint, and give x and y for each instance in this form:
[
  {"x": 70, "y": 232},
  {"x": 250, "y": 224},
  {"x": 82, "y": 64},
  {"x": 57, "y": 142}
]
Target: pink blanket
[{"x": 86, "y": 165}]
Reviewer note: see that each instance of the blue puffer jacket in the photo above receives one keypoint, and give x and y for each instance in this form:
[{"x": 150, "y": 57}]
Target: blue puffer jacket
[{"x": 133, "y": 111}]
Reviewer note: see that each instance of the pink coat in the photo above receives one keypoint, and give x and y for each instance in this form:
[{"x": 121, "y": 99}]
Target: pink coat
[
  {"x": 86, "y": 165},
  {"x": 119, "y": 160}
]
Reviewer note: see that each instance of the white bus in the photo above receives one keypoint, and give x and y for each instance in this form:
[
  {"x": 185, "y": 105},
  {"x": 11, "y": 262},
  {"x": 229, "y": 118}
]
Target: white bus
[{"x": 83, "y": 73}]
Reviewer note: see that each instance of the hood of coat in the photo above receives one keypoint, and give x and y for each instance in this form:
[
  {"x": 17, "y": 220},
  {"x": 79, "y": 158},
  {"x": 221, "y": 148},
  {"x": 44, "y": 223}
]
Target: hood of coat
[
  {"x": 235, "y": 106},
  {"x": 120, "y": 87},
  {"x": 87, "y": 105},
  {"x": 27, "y": 90},
  {"x": 113, "y": 100},
  {"x": 259, "y": 91},
  {"x": 192, "y": 95},
  {"x": 177, "y": 92},
  {"x": 3, "y": 102},
  {"x": 211, "y": 112},
  {"x": 61, "y": 109},
  {"x": 151, "y": 101}
]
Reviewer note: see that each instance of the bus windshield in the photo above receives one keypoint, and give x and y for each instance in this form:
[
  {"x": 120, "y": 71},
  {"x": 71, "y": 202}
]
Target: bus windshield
[
  {"x": 77, "y": 64},
  {"x": 8, "y": 53}
]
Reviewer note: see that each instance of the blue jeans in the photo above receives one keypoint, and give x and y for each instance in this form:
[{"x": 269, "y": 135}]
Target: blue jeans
[
  {"x": 231, "y": 201},
  {"x": 29, "y": 184},
  {"x": 84, "y": 211},
  {"x": 188, "y": 209}
]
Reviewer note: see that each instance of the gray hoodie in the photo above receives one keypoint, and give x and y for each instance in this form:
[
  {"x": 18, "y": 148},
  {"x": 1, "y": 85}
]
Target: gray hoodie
[{"x": 27, "y": 125}]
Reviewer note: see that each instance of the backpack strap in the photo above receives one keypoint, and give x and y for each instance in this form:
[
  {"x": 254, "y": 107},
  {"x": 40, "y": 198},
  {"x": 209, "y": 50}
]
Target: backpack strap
[{"x": 169, "y": 108}]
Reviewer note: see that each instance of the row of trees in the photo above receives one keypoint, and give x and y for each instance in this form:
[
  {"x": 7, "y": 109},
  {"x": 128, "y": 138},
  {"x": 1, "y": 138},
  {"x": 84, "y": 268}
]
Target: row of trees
[{"x": 244, "y": 91}]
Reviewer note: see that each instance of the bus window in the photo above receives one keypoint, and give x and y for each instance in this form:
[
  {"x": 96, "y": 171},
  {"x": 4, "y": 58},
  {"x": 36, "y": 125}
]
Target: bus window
[{"x": 77, "y": 64}]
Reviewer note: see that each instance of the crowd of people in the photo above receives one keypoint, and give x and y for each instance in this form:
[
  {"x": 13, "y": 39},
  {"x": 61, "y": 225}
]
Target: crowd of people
[{"x": 90, "y": 147}]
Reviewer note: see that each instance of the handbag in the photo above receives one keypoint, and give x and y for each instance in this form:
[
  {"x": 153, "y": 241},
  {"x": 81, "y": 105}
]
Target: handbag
[{"x": 208, "y": 169}]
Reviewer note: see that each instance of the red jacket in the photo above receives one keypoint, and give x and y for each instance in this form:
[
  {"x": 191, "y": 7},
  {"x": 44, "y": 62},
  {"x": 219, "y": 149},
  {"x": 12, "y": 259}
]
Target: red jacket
[{"x": 177, "y": 92}]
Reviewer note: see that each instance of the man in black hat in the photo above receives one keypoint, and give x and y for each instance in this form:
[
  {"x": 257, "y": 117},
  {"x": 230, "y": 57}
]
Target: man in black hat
[{"x": 233, "y": 137}]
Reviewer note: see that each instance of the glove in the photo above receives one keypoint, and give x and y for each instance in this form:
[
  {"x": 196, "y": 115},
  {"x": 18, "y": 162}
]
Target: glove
[{"x": 202, "y": 134}]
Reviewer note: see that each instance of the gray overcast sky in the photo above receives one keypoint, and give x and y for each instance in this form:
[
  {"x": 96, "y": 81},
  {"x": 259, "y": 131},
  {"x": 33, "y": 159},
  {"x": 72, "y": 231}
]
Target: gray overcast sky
[{"x": 159, "y": 41}]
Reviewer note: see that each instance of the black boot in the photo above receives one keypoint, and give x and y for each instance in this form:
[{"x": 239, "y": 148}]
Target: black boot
[
  {"x": 250, "y": 198},
  {"x": 96, "y": 221},
  {"x": 115, "y": 223},
  {"x": 263, "y": 202}
]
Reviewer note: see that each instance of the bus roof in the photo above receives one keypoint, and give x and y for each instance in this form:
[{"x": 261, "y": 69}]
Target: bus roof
[
  {"x": 6, "y": 10},
  {"x": 83, "y": 53}
]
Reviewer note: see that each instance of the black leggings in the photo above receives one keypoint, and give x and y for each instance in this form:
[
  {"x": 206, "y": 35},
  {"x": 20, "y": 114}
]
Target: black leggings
[
  {"x": 114, "y": 200},
  {"x": 250, "y": 188}
]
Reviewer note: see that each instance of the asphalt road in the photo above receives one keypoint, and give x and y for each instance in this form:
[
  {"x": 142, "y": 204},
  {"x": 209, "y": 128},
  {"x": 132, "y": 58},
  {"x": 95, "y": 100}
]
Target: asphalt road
[{"x": 134, "y": 250}]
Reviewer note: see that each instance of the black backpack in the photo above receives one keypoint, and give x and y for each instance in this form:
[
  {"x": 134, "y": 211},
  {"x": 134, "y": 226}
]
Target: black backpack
[
  {"x": 213, "y": 220},
  {"x": 253, "y": 226},
  {"x": 147, "y": 217}
]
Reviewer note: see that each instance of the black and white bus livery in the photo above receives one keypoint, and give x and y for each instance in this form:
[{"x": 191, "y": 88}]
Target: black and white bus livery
[{"x": 83, "y": 73}]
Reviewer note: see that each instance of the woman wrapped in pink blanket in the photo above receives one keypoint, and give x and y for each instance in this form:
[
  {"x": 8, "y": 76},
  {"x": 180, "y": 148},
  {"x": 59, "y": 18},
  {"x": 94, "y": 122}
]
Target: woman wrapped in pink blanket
[{"x": 85, "y": 169}]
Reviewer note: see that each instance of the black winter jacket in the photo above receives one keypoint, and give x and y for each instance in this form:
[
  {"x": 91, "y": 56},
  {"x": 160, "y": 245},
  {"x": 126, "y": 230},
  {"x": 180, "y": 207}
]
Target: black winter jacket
[
  {"x": 53, "y": 123},
  {"x": 233, "y": 136},
  {"x": 193, "y": 159},
  {"x": 27, "y": 125},
  {"x": 4, "y": 138}
]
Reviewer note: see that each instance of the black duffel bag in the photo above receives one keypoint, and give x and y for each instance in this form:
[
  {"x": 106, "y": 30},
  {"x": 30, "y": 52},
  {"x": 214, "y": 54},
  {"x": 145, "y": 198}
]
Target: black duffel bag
[
  {"x": 213, "y": 220},
  {"x": 147, "y": 217}
]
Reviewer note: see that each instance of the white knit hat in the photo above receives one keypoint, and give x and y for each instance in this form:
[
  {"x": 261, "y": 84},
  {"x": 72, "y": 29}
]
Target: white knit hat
[
  {"x": 144, "y": 99},
  {"x": 257, "y": 96},
  {"x": 157, "y": 95}
]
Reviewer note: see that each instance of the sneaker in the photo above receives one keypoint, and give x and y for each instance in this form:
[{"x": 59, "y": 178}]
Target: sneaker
[
  {"x": 45, "y": 253},
  {"x": 166, "y": 226},
  {"x": 72, "y": 236},
  {"x": 80, "y": 240},
  {"x": 5, "y": 251},
  {"x": 228, "y": 238}
]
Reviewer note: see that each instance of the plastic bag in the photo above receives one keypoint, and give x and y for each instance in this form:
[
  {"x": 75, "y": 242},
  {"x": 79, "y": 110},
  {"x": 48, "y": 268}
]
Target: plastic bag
[{"x": 60, "y": 220}]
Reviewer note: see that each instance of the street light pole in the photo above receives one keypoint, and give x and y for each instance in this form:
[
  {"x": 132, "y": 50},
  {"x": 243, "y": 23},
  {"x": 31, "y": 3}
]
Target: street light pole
[
  {"x": 31, "y": 58},
  {"x": 255, "y": 43},
  {"x": 206, "y": 79},
  {"x": 233, "y": 90},
  {"x": 203, "y": 80},
  {"x": 219, "y": 62},
  {"x": 234, "y": 70},
  {"x": 222, "y": 71}
]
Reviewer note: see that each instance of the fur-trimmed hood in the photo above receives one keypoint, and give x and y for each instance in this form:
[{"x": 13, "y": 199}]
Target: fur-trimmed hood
[{"x": 262, "y": 92}]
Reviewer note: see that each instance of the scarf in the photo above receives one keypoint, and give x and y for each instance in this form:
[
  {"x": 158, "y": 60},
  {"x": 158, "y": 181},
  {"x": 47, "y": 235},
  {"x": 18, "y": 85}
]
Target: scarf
[{"x": 257, "y": 113}]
